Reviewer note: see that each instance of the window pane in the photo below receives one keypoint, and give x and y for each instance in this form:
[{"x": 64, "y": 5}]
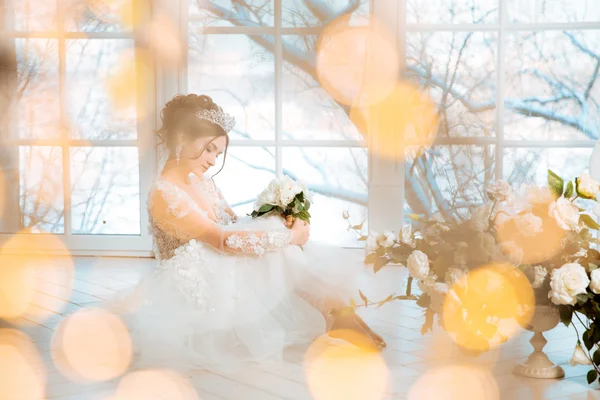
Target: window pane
[
  {"x": 447, "y": 179},
  {"x": 451, "y": 11},
  {"x": 237, "y": 71},
  {"x": 31, "y": 193},
  {"x": 98, "y": 16},
  {"x": 30, "y": 15},
  {"x": 551, "y": 89},
  {"x": 300, "y": 13},
  {"x": 553, "y": 11},
  {"x": 530, "y": 165},
  {"x": 339, "y": 179},
  {"x": 90, "y": 64},
  {"x": 36, "y": 84},
  {"x": 308, "y": 111},
  {"x": 105, "y": 190},
  {"x": 460, "y": 71},
  {"x": 247, "y": 171},
  {"x": 232, "y": 13}
]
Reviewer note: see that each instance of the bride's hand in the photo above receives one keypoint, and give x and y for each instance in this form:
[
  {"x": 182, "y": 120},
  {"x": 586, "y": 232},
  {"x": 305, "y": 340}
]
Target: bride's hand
[{"x": 300, "y": 232}]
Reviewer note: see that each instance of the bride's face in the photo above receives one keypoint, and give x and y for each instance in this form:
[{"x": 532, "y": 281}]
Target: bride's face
[{"x": 203, "y": 153}]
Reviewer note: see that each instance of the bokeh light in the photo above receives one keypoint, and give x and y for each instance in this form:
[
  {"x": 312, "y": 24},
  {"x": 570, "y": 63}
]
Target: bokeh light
[
  {"x": 455, "y": 382},
  {"x": 357, "y": 65},
  {"x": 155, "y": 384},
  {"x": 20, "y": 364},
  {"x": 92, "y": 345},
  {"x": 478, "y": 309},
  {"x": 161, "y": 37},
  {"x": 345, "y": 371},
  {"x": 540, "y": 247},
  {"x": 406, "y": 117},
  {"x": 34, "y": 283},
  {"x": 130, "y": 81}
]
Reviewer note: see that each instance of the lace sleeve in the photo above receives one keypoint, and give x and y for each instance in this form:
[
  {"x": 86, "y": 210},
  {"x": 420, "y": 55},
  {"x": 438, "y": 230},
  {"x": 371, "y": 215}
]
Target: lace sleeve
[
  {"x": 183, "y": 219},
  {"x": 259, "y": 242}
]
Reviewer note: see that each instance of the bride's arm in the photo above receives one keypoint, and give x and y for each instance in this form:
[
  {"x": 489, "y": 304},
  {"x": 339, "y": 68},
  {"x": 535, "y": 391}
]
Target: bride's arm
[{"x": 188, "y": 223}]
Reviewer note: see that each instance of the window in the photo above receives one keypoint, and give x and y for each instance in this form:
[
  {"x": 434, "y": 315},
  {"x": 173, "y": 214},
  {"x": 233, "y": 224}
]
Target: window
[
  {"x": 516, "y": 83},
  {"x": 70, "y": 157},
  {"x": 257, "y": 60}
]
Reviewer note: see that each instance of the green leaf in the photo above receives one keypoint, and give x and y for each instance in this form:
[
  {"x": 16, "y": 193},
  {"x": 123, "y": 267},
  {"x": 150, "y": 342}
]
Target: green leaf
[
  {"x": 380, "y": 263},
  {"x": 591, "y": 376},
  {"x": 265, "y": 208},
  {"x": 306, "y": 205},
  {"x": 363, "y": 297},
  {"x": 589, "y": 222},
  {"x": 582, "y": 299},
  {"x": 596, "y": 357},
  {"x": 587, "y": 338},
  {"x": 371, "y": 258},
  {"x": 424, "y": 300},
  {"x": 566, "y": 314},
  {"x": 569, "y": 191},
  {"x": 363, "y": 238},
  {"x": 555, "y": 183},
  {"x": 352, "y": 303}
]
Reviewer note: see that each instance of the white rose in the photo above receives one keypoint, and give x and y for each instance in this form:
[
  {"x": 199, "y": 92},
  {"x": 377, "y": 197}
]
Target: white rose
[
  {"x": 514, "y": 252},
  {"x": 426, "y": 286},
  {"x": 480, "y": 218},
  {"x": 345, "y": 214},
  {"x": 499, "y": 191},
  {"x": 529, "y": 224},
  {"x": 266, "y": 197},
  {"x": 595, "y": 284},
  {"x": 538, "y": 194},
  {"x": 454, "y": 275},
  {"x": 567, "y": 282},
  {"x": 418, "y": 265},
  {"x": 438, "y": 294},
  {"x": 407, "y": 235},
  {"x": 308, "y": 195},
  {"x": 565, "y": 213},
  {"x": 386, "y": 239},
  {"x": 539, "y": 276},
  {"x": 372, "y": 242},
  {"x": 587, "y": 186},
  {"x": 579, "y": 357}
]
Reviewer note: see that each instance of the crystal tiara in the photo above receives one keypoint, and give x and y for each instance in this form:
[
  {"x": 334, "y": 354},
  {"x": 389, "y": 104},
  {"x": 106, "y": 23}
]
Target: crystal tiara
[{"x": 225, "y": 121}]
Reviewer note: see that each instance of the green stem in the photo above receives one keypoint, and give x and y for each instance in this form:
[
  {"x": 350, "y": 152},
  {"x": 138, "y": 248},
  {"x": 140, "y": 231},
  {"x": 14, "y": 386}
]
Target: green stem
[{"x": 589, "y": 355}]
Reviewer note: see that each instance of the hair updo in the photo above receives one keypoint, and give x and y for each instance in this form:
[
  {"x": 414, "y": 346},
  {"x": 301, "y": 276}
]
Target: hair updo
[{"x": 178, "y": 117}]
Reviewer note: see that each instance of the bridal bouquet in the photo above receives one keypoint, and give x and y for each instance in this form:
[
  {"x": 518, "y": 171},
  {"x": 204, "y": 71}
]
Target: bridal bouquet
[
  {"x": 285, "y": 197},
  {"x": 534, "y": 245}
]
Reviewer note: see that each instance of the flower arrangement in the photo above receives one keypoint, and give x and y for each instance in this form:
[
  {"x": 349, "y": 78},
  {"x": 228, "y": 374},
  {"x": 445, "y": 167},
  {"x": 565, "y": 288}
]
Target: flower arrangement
[
  {"x": 286, "y": 197},
  {"x": 519, "y": 248}
]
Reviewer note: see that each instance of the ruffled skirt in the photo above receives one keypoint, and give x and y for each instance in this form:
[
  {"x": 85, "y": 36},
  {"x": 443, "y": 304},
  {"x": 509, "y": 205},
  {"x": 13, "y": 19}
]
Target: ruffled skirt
[{"x": 202, "y": 309}]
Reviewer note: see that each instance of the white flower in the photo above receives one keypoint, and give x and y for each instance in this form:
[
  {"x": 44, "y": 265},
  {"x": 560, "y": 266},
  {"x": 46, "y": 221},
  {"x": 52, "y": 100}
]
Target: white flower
[
  {"x": 454, "y": 275},
  {"x": 538, "y": 194},
  {"x": 567, "y": 282},
  {"x": 386, "y": 239},
  {"x": 539, "y": 276},
  {"x": 426, "y": 286},
  {"x": 565, "y": 213},
  {"x": 438, "y": 294},
  {"x": 514, "y": 252},
  {"x": 372, "y": 242},
  {"x": 287, "y": 191},
  {"x": 595, "y": 284},
  {"x": 480, "y": 218},
  {"x": 499, "y": 191},
  {"x": 345, "y": 214},
  {"x": 418, "y": 265},
  {"x": 308, "y": 195},
  {"x": 587, "y": 186},
  {"x": 266, "y": 197},
  {"x": 407, "y": 235},
  {"x": 528, "y": 224},
  {"x": 579, "y": 357}
]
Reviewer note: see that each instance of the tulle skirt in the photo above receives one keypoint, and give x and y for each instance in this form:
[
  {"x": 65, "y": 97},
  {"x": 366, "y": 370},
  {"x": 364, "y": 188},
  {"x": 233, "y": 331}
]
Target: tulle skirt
[{"x": 203, "y": 309}]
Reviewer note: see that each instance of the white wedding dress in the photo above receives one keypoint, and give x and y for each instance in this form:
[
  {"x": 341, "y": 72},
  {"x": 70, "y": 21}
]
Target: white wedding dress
[{"x": 208, "y": 308}]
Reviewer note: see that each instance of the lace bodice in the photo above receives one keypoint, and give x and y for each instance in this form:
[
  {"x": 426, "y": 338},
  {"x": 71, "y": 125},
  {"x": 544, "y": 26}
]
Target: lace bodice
[{"x": 179, "y": 219}]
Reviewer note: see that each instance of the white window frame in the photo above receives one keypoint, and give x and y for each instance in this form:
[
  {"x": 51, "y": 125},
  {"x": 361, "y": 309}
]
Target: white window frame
[{"x": 88, "y": 244}]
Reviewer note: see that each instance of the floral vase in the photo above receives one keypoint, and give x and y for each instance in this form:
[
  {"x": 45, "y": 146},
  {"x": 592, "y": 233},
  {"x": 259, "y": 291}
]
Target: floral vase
[{"x": 538, "y": 365}]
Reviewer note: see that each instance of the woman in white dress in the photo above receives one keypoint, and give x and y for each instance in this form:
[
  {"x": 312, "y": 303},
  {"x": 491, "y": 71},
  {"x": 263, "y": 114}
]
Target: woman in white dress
[{"x": 229, "y": 290}]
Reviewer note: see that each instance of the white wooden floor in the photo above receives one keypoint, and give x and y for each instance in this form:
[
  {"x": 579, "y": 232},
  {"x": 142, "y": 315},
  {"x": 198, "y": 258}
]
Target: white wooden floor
[{"x": 414, "y": 367}]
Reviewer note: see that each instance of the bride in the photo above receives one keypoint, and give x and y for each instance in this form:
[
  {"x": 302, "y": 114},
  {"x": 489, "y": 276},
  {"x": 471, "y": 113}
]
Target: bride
[{"x": 229, "y": 290}]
